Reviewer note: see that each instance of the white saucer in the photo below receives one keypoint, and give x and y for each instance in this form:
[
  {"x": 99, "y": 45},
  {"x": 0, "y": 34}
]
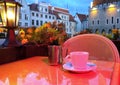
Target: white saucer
[{"x": 90, "y": 67}]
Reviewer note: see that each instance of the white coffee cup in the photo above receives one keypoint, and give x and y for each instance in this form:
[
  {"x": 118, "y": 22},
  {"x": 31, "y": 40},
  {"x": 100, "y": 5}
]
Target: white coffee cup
[{"x": 78, "y": 59}]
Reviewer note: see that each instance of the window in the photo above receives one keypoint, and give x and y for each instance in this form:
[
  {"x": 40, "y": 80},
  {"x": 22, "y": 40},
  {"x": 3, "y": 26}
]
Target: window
[
  {"x": 26, "y": 17},
  {"x": 92, "y": 22},
  {"x": 98, "y": 22},
  {"x": 70, "y": 29},
  {"x": 112, "y": 20},
  {"x": 37, "y": 22},
  {"x": 45, "y": 16},
  {"x": 45, "y": 9},
  {"x": 37, "y": 15},
  {"x": 20, "y": 16},
  {"x": 64, "y": 17},
  {"x": 32, "y": 14},
  {"x": 19, "y": 23},
  {"x": 49, "y": 17},
  {"x": 67, "y": 23},
  {"x": 107, "y": 21},
  {"x": 53, "y": 17},
  {"x": 41, "y": 15},
  {"x": 41, "y": 22},
  {"x": 67, "y": 18},
  {"x": 26, "y": 24},
  {"x": 117, "y": 20},
  {"x": 32, "y": 22},
  {"x": 41, "y": 9}
]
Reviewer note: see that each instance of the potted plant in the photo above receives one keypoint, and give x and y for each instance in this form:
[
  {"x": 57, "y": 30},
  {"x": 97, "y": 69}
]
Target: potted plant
[
  {"x": 38, "y": 39},
  {"x": 51, "y": 34}
]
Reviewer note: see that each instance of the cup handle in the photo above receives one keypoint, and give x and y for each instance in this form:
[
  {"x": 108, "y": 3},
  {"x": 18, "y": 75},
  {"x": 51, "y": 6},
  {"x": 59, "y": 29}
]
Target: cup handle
[{"x": 67, "y": 59}]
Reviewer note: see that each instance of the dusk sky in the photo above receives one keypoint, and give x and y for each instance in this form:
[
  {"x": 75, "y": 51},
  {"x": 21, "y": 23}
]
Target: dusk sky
[{"x": 74, "y": 6}]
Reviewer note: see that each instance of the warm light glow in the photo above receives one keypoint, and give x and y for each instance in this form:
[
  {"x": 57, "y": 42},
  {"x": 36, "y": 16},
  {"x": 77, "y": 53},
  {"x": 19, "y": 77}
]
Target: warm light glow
[
  {"x": 94, "y": 8},
  {"x": 11, "y": 18},
  {"x": 94, "y": 12},
  {"x": 111, "y": 5},
  {"x": 112, "y": 9},
  {"x": 10, "y": 15},
  {"x": 3, "y": 18}
]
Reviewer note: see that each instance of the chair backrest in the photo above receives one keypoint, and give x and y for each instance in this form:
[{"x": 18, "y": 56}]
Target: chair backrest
[
  {"x": 116, "y": 75},
  {"x": 98, "y": 46}
]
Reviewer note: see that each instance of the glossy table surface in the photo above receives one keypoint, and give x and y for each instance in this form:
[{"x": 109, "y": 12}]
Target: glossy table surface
[{"x": 37, "y": 71}]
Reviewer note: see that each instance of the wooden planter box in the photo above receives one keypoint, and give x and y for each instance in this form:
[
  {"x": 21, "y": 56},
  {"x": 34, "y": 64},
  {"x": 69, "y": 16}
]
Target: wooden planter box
[
  {"x": 34, "y": 50},
  {"x": 9, "y": 54}
]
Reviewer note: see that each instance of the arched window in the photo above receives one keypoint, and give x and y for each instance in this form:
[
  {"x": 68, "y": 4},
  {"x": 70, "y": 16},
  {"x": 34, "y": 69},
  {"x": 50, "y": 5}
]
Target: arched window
[
  {"x": 97, "y": 31},
  {"x": 109, "y": 31}
]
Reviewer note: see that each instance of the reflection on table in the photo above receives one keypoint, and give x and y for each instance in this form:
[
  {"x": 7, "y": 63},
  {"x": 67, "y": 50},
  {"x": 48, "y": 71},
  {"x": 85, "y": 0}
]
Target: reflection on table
[{"x": 37, "y": 71}]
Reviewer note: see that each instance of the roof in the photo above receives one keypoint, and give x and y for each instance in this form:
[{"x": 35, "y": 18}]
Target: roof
[
  {"x": 58, "y": 10},
  {"x": 97, "y": 2},
  {"x": 52, "y": 10},
  {"x": 82, "y": 17},
  {"x": 71, "y": 18},
  {"x": 34, "y": 7},
  {"x": 55, "y": 11},
  {"x": 61, "y": 10}
]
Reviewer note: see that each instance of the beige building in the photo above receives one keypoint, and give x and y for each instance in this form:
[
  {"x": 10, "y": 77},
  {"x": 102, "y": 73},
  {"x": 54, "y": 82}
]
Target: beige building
[{"x": 104, "y": 15}]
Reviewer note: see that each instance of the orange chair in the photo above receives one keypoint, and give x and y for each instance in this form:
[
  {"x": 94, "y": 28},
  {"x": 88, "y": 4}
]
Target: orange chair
[
  {"x": 98, "y": 46},
  {"x": 116, "y": 75}
]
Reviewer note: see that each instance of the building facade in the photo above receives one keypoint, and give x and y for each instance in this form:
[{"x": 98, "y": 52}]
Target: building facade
[
  {"x": 104, "y": 15},
  {"x": 24, "y": 18},
  {"x": 36, "y": 14},
  {"x": 72, "y": 26},
  {"x": 82, "y": 22}
]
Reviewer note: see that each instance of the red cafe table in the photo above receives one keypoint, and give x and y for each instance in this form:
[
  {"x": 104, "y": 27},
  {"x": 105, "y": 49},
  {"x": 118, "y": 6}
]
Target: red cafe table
[{"x": 37, "y": 71}]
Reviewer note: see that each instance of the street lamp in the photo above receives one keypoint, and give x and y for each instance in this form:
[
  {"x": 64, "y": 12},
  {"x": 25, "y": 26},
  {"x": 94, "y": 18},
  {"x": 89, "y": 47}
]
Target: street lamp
[{"x": 9, "y": 16}]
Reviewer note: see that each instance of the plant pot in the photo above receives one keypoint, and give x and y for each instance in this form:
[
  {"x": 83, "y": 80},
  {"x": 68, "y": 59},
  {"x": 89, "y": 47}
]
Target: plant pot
[{"x": 54, "y": 54}]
